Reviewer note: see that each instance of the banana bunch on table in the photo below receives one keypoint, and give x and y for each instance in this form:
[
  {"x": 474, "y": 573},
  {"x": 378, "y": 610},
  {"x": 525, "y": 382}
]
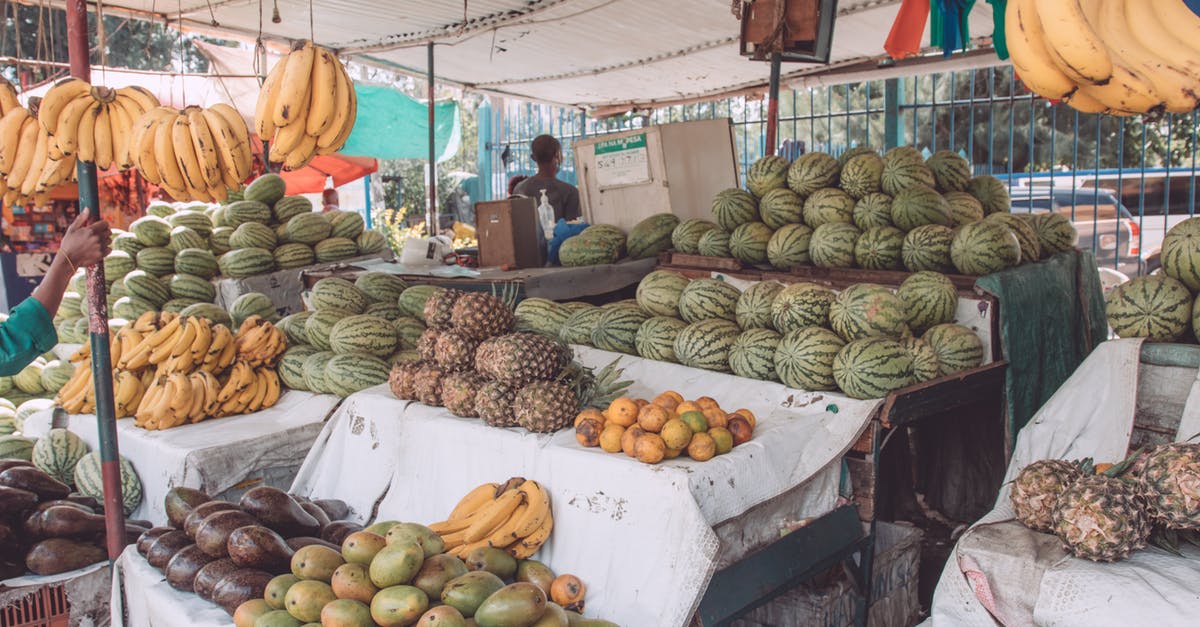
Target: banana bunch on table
[
  {"x": 514, "y": 516},
  {"x": 194, "y": 154}
]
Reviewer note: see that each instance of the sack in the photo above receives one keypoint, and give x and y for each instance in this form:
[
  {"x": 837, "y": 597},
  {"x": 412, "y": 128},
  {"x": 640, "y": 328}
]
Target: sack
[{"x": 427, "y": 251}]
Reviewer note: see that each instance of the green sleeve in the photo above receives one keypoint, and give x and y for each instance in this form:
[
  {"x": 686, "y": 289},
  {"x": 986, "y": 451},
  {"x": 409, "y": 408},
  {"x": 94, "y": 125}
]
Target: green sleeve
[{"x": 27, "y": 333}]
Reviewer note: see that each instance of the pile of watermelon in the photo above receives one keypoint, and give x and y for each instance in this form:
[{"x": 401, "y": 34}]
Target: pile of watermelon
[
  {"x": 866, "y": 340},
  {"x": 604, "y": 243},
  {"x": 898, "y": 211},
  {"x": 1163, "y": 307}
]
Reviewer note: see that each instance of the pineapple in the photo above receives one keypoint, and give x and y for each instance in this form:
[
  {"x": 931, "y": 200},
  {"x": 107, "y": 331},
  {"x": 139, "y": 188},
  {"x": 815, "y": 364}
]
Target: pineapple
[
  {"x": 494, "y": 403},
  {"x": 427, "y": 384},
  {"x": 480, "y": 316},
  {"x": 521, "y": 358},
  {"x": 427, "y": 345},
  {"x": 455, "y": 352},
  {"x": 1101, "y": 519},
  {"x": 1036, "y": 489},
  {"x": 1170, "y": 483},
  {"x": 402, "y": 381},
  {"x": 459, "y": 391},
  {"x": 545, "y": 406},
  {"x": 440, "y": 307}
]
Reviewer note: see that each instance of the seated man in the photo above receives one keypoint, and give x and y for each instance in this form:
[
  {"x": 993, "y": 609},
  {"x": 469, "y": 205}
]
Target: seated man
[{"x": 564, "y": 197}]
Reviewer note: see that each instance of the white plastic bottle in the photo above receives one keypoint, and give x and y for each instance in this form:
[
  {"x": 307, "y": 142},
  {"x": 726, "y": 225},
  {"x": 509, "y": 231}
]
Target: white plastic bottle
[{"x": 546, "y": 216}]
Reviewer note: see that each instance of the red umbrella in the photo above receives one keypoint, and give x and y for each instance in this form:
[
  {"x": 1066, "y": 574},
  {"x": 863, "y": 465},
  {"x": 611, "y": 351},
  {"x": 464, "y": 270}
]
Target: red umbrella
[{"x": 311, "y": 178}]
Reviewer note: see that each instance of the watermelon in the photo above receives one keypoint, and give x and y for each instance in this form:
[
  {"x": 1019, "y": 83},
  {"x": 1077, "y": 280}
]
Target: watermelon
[
  {"x": 867, "y": 310},
  {"x": 408, "y": 330},
  {"x": 363, "y": 334},
  {"x": 160, "y": 210},
  {"x": 963, "y": 208},
  {"x": 347, "y": 374},
  {"x": 812, "y": 171},
  {"x": 540, "y": 315},
  {"x": 292, "y": 326},
  {"x": 1031, "y": 248},
  {"x": 832, "y": 245},
  {"x": 291, "y": 366},
  {"x": 117, "y": 264},
  {"x": 348, "y": 224},
  {"x": 381, "y": 287},
  {"x": 57, "y": 452},
  {"x": 686, "y": 237},
  {"x": 984, "y": 247},
  {"x": 132, "y": 307},
  {"x": 655, "y": 339},
  {"x": 319, "y": 325},
  {"x": 587, "y": 251},
  {"x": 186, "y": 237},
  {"x": 706, "y": 344},
  {"x": 335, "y": 249},
  {"x": 151, "y": 231},
  {"x": 267, "y": 189},
  {"x": 252, "y": 304},
  {"x": 243, "y": 211},
  {"x": 748, "y": 242},
  {"x": 293, "y": 255},
  {"x": 788, "y": 247},
  {"x": 337, "y": 293},
  {"x": 314, "y": 371},
  {"x": 878, "y": 248},
  {"x": 88, "y": 479},
  {"x": 872, "y": 367},
  {"x": 614, "y": 236},
  {"x": 31, "y": 407},
  {"x": 217, "y": 215},
  {"x": 801, "y": 305},
  {"x": 617, "y": 328},
  {"x": 147, "y": 287},
  {"x": 219, "y": 240},
  {"x": 210, "y": 311},
  {"x": 753, "y": 354},
  {"x": 957, "y": 347},
  {"x": 904, "y": 168},
  {"x": 308, "y": 228},
  {"x": 991, "y": 193},
  {"x": 714, "y": 243},
  {"x": 873, "y": 210},
  {"x": 196, "y": 261},
  {"x": 925, "y": 361},
  {"x": 828, "y": 205},
  {"x": 1181, "y": 253},
  {"x": 371, "y": 242},
  {"x": 127, "y": 242},
  {"x": 192, "y": 287},
  {"x": 412, "y": 300},
  {"x": 658, "y": 292},
  {"x": 1157, "y": 307},
  {"x": 928, "y": 248},
  {"x": 929, "y": 298},
  {"x": 918, "y": 206},
  {"x": 253, "y": 235},
  {"x": 55, "y": 374},
  {"x": 861, "y": 175},
  {"x": 246, "y": 262},
  {"x": 754, "y": 305},
  {"x": 851, "y": 153},
  {"x": 734, "y": 207},
  {"x": 704, "y": 299},
  {"x": 779, "y": 207},
  {"x": 951, "y": 173},
  {"x": 289, "y": 207},
  {"x": 579, "y": 326},
  {"x": 768, "y": 173},
  {"x": 804, "y": 358},
  {"x": 577, "y": 305},
  {"x": 651, "y": 236},
  {"x": 70, "y": 307},
  {"x": 1055, "y": 233},
  {"x": 16, "y": 447}
]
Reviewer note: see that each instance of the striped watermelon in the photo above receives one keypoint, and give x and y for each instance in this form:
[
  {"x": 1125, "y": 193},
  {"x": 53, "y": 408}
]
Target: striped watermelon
[
  {"x": 337, "y": 293},
  {"x": 873, "y": 210},
  {"x": 268, "y": 189},
  {"x": 581, "y": 250},
  {"x": 614, "y": 236},
  {"x": 957, "y": 347},
  {"x": 57, "y": 452},
  {"x": 1181, "y": 253},
  {"x": 1031, "y": 248},
  {"x": 951, "y": 172},
  {"x": 540, "y": 315},
  {"x": 686, "y": 237},
  {"x": 186, "y": 237},
  {"x": 252, "y": 304},
  {"x": 347, "y": 224},
  {"x": 308, "y": 228},
  {"x": 196, "y": 261},
  {"x": 243, "y": 211},
  {"x": 714, "y": 243},
  {"x": 151, "y": 231},
  {"x": 828, "y": 205},
  {"x": 16, "y": 447},
  {"x": 925, "y": 361},
  {"x": 617, "y": 329},
  {"x": 754, "y": 305},
  {"x": 289, "y": 207},
  {"x": 658, "y": 292},
  {"x": 127, "y": 242},
  {"x": 363, "y": 334},
  {"x": 867, "y": 310},
  {"x": 963, "y": 208},
  {"x": 319, "y": 325},
  {"x": 253, "y": 235},
  {"x": 991, "y": 193},
  {"x": 281, "y": 234},
  {"x": 119, "y": 263},
  {"x": 788, "y": 247},
  {"x": 1055, "y": 233},
  {"x": 291, "y": 366},
  {"x": 347, "y": 374},
  {"x": 177, "y": 305},
  {"x": 412, "y": 300},
  {"x": 832, "y": 245},
  {"x": 851, "y": 153},
  {"x": 147, "y": 287},
  {"x": 577, "y": 305},
  {"x": 930, "y": 299},
  {"x": 872, "y": 367},
  {"x": 408, "y": 330},
  {"x": 371, "y": 242},
  {"x": 160, "y": 210},
  {"x": 779, "y": 207},
  {"x": 753, "y": 354},
  {"x": 804, "y": 358},
  {"x": 294, "y": 255},
  {"x": 861, "y": 175},
  {"x": 878, "y": 248},
  {"x": 314, "y": 371},
  {"x": 706, "y": 344},
  {"x": 748, "y": 242},
  {"x": 801, "y": 305},
  {"x": 651, "y": 236},
  {"x": 381, "y": 287},
  {"x": 984, "y": 247},
  {"x": 918, "y": 206},
  {"x": 768, "y": 173},
  {"x": 192, "y": 287},
  {"x": 704, "y": 299},
  {"x": 210, "y": 311},
  {"x": 335, "y": 249},
  {"x": 904, "y": 168},
  {"x": 928, "y": 248},
  {"x": 89, "y": 481},
  {"x": 579, "y": 326},
  {"x": 219, "y": 240},
  {"x": 812, "y": 171},
  {"x": 655, "y": 339},
  {"x": 131, "y": 307},
  {"x": 1157, "y": 307},
  {"x": 245, "y": 262},
  {"x": 734, "y": 207},
  {"x": 292, "y": 326}
]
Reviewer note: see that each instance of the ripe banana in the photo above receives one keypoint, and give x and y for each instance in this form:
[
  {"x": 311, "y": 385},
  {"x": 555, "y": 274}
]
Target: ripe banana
[
  {"x": 104, "y": 140},
  {"x": 205, "y": 146},
  {"x": 142, "y": 96},
  {"x": 292, "y": 102},
  {"x": 539, "y": 509},
  {"x": 323, "y": 90},
  {"x": 494, "y": 515},
  {"x": 530, "y": 544},
  {"x": 121, "y": 121},
  {"x": 268, "y": 95},
  {"x": 243, "y": 157},
  {"x": 1162, "y": 65},
  {"x": 185, "y": 154},
  {"x": 26, "y": 147},
  {"x": 1027, "y": 48},
  {"x": 8, "y": 97},
  {"x": 301, "y": 154},
  {"x": 328, "y": 145},
  {"x": 67, "y": 125},
  {"x": 29, "y": 183},
  {"x": 224, "y": 146},
  {"x": 57, "y": 98},
  {"x": 342, "y": 110},
  {"x": 10, "y": 135},
  {"x": 164, "y": 156},
  {"x": 1073, "y": 44}
]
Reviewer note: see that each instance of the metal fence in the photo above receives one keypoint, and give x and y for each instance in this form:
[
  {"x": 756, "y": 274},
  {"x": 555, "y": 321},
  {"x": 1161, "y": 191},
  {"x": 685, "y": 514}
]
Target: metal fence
[{"x": 1053, "y": 157}]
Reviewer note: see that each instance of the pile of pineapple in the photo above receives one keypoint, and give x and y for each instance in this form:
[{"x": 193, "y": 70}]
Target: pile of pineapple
[
  {"x": 472, "y": 364},
  {"x": 1106, "y": 512}
]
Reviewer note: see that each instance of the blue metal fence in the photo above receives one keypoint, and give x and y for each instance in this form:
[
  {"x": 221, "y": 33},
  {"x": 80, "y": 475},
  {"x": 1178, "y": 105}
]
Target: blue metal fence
[{"x": 1051, "y": 155}]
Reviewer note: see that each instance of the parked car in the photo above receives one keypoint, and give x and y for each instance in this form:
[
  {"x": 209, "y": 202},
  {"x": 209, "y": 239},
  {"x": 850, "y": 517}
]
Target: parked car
[{"x": 1106, "y": 227}]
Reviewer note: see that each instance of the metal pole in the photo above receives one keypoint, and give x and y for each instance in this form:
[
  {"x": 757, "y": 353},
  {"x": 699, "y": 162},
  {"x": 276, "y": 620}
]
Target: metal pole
[
  {"x": 367, "y": 189},
  {"x": 773, "y": 103},
  {"x": 89, "y": 200},
  {"x": 431, "y": 218},
  {"x": 893, "y": 131}
]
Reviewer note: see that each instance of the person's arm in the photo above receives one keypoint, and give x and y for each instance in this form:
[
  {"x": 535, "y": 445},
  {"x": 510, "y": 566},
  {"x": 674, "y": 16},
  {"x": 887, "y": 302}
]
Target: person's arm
[
  {"x": 82, "y": 246},
  {"x": 27, "y": 333}
]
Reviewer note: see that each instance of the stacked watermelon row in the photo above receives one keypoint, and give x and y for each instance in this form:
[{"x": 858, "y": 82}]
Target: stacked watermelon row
[
  {"x": 41, "y": 379},
  {"x": 899, "y": 211},
  {"x": 66, "y": 458},
  {"x": 1163, "y": 307},
  {"x": 603, "y": 243}
]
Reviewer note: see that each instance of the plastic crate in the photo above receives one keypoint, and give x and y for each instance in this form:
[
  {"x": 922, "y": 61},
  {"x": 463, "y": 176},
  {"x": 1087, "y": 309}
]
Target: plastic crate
[{"x": 48, "y": 607}]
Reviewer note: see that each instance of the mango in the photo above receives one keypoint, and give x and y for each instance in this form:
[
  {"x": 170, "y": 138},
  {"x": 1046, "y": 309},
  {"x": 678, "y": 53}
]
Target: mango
[
  {"x": 381, "y": 528},
  {"x": 436, "y": 572},
  {"x": 536, "y": 573},
  {"x": 361, "y": 547},
  {"x": 430, "y": 542},
  {"x": 493, "y": 560},
  {"x": 306, "y": 599},
  {"x": 277, "y": 589},
  {"x": 442, "y": 616},
  {"x": 316, "y": 562},
  {"x": 277, "y": 618},
  {"x": 352, "y": 581},
  {"x": 346, "y": 613},
  {"x": 248, "y": 612},
  {"x": 396, "y": 564},
  {"x": 397, "y": 606},
  {"x": 555, "y": 616},
  {"x": 518, "y": 605},
  {"x": 468, "y": 592}
]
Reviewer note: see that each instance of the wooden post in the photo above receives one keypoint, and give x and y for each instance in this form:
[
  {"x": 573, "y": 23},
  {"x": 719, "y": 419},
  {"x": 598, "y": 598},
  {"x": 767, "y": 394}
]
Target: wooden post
[
  {"x": 773, "y": 104},
  {"x": 431, "y": 219}
]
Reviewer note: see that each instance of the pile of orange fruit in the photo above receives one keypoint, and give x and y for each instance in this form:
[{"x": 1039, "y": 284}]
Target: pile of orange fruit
[{"x": 665, "y": 428}]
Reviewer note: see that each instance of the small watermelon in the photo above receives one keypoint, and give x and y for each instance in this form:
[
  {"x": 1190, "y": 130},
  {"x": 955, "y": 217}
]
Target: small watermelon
[
  {"x": 686, "y": 237},
  {"x": 753, "y": 354},
  {"x": 872, "y": 367},
  {"x": 768, "y": 173},
  {"x": 706, "y": 344},
  {"x": 1157, "y": 307},
  {"x": 714, "y": 243},
  {"x": 832, "y": 245},
  {"x": 873, "y": 210},
  {"x": 991, "y": 193},
  {"x": 779, "y": 207},
  {"x": 930, "y": 299},
  {"x": 705, "y": 299},
  {"x": 754, "y": 305},
  {"x": 984, "y": 247},
  {"x": 801, "y": 305},
  {"x": 962, "y": 208},
  {"x": 804, "y": 358},
  {"x": 658, "y": 292},
  {"x": 788, "y": 247},
  {"x": 655, "y": 339},
  {"x": 861, "y": 175},
  {"x": 1181, "y": 253},
  {"x": 951, "y": 172},
  {"x": 928, "y": 248},
  {"x": 878, "y": 248},
  {"x": 958, "y": 348},
  {"x": 828, "y": 205},
  {"x": 748, "y": 242},
  {"x": 734, "y": 207},
  {"x": 1055, "y": 233},
  {"x": 867, "y": 310},
  {"x": 812, "y": 171}
]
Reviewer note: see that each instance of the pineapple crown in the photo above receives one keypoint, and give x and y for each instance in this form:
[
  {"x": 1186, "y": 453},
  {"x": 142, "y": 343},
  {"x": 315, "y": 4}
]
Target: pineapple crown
[
  {"x": 595, "y": 390},
  {"x": 507, "y": 293}
]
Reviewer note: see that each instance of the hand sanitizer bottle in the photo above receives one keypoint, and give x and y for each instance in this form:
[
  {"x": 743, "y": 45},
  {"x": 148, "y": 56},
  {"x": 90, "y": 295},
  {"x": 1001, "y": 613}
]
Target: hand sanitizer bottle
[{"x": 546, "y": 216}]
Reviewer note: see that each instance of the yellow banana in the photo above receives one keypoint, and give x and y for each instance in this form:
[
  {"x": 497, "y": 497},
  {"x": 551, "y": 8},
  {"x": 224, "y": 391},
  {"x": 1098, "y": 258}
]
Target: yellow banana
[
  {"x": 185, "y": 154},
  {"x": 327, "y": 144},
  {"x": 183, "y": 344},
  {"x": 341, "y": 103},
  {"x": 530, "y": 544},
  {"x": 323, "y": 90},
  {"x": 260, "y": 390},
  {"x": 57, "y": 98},
  {"x": 182, "y": 401},
  {"x": 474, "y": 501},
  {"x": 204, "y": 145},
  {"x": 301, "y": 154},
  {"x": 72, "y": 115},
  {"x": 227, "y": 357},
  {"x": 195, "y": 411},
  {"x": 121, "y": 122},
  {"x": 494, "y": 515},
  {"x": 82, "y": 353},
  {"x": 85, "y": 149},
  {"x": 8, "y": 97},
  {"x": 292, "y": 103},
  {"x": 1073, "y": 44},
  {"x": 142, "y": 96},
  {"x": 1027, "y": 48},
  {"x": 164, "y": 155},
  {"x": 29, "y": 183},
  {"x": 287, "y": 139},
  {"x": 1173, "y": 83},
  {"x": 539, "y": 509},
  {"x": 505, "y": 535},
  {"x": 26, "y": 148},
  {"x": 104, "y": 140},
  {"x": 268, "y": 95},
  {"x": 243, "y": 152},
  {"x": 10, "y": 136},
  {"x": 165, "y": 332},
  {"x": 227, "y": 154}
]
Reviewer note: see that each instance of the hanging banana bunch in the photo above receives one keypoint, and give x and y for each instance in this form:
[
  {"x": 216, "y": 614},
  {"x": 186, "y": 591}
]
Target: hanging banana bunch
[
  {"x": 28, "y": 169},
  {"x": 306, "y": 107},
  {"x": 194, "y": 154},
  {"x": 8, "y": 97},
  {"x": 1120, "y": 57},
  {"x": 93, "y": 123}
]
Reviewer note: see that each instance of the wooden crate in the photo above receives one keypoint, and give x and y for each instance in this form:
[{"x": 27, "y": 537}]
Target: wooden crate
[{"x": 47, "y": 607}]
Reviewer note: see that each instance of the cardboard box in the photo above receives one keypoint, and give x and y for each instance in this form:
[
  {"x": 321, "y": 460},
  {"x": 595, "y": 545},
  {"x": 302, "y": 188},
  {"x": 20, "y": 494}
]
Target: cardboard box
[{"x": 509, "y": 233}]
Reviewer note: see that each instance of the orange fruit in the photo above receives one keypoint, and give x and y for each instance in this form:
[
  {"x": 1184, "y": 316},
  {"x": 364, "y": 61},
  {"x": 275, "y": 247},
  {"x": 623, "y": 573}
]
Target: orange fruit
[
  {"x": 623, "y": 411},
  {"x": 649, "y": 448},
  {"x": 672, "y": 453},
  {"x": 610, "y": 438},
  {"x": 587, "y": 432},
  {"x": 676, "y": 433},
  {"x": 741, "y": 430},
  {"x": 673, "y": 394},
  {"x": 652, "y": 418},
  {"x": 702, "y": 447},
  {"x": 665, "y": 401},
  {"x": 687, "y": 406},
  {"x": 707, "y": 402},
  {"x": 695, "y": 420},
  {"x": 592, "y": 414},
  {"x": 641, "y": 402},
  {"x": 629, "y": 438},
  {"x": 723, "y": 439},
  {"x": 748, "y": 415},
  {"x": 716, "y": 417}
]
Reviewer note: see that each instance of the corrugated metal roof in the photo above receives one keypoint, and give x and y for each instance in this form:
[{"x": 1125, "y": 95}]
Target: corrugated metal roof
[{"x": 573, "y": 52}]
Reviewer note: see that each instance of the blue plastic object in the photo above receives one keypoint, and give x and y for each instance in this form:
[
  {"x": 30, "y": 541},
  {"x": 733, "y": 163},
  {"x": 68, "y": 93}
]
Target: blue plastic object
[{"x": 562, "y": 231}]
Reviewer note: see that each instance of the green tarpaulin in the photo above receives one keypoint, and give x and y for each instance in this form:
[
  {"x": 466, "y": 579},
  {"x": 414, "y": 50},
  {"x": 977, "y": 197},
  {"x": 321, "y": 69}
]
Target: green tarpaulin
[{"x": 391, "y": 125}]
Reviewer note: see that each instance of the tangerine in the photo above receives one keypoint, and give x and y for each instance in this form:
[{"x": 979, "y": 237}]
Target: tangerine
[
  {"x": 610, "y": 438},
  {"x": 623, "y": 411},
  {"x": 629, "y": 438},
  {"x": 702, "y": 447},
  {"x": 593, "y": 414},
  {"x": 748, "y": 415},
  {"x": 676, "y": 433},
  {"x": 723, "y": 439},
  {"x": 653, "y": 417},
  {"x": 650, "y": 448}
]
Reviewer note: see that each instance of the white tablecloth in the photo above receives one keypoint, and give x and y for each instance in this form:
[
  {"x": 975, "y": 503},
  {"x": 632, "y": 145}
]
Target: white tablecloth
[
  {"x": 212, "y": 455},
  {"x": 150, "y": 602}
]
